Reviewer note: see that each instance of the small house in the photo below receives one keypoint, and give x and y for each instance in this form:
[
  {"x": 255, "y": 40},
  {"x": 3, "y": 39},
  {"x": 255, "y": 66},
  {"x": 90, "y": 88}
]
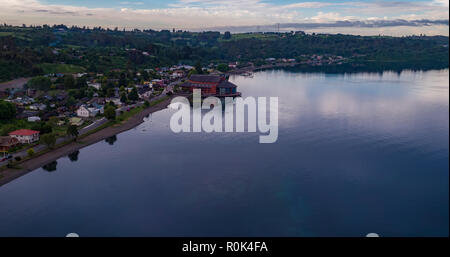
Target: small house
[
  {"x": 86, "y": 112},
  {"x": 94, "y": 85},
  {"x": 6, "y": 143},
  {"x": 25, "y": 136},
  {"x": 34, "y": 119}
]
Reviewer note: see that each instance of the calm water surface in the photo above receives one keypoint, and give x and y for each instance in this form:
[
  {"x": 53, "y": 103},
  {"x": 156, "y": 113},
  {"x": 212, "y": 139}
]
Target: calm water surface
[{"x": 356, "y": 154}]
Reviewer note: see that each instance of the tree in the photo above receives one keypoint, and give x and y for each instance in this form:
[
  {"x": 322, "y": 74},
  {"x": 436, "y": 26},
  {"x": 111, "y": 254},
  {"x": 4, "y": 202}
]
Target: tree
[
  {"x": 110, "y": 112},
  {"x": 69, "y": 82},
  {"x": 198, "y": 68},
  {"x": 30, "y": 152},
  {"x": 7, "y": 128},
  {"x": 53, "y": 121},
  {"x": 146, "y": 104},
  {"x": 122, "y": 79},
  {"x": 124, "y": 98},
  {"x": 43, "y": 128},
  {"x": 227, "y": 35},
  {"x": 110, "y": 92},
  {"x": 81, "y": 82},
  {"x": 133, "y": 96},
  {"x": 72, "y": 131},
  {"x": 192, "y": 72},
  {"x": 49, "y": 140},
  {"x": 222, "y": 67},
  {"x": 40, "y": 83},
  {"x": 71, "y": 101},
  {"x": 7, "y": 110}
]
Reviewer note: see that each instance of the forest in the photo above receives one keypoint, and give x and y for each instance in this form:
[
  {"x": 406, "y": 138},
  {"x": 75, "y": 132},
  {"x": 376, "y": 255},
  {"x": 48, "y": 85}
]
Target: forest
[{"x": 37, "y": 50}]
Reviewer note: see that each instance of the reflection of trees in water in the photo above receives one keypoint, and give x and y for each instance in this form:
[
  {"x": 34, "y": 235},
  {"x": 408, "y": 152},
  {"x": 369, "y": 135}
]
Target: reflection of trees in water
[
  {"x": 73, "y": 157},
  {"x": 50, "y": 166},
  {"x": 111, "y": 140}
]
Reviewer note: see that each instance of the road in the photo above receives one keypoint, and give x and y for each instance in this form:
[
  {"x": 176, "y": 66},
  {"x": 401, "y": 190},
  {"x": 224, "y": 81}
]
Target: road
[{"x": 60, "y": 140}]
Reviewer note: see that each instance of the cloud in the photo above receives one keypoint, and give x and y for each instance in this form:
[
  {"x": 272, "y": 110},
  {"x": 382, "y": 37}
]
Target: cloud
[
  {"x": 204, "y": 14},
  {"x": 334, "y": 24},
  {"x": 132, "y": 3}
]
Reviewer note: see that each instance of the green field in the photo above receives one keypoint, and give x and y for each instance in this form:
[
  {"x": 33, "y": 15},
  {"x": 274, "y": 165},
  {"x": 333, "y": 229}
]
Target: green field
[
  {"x": 4, "y": 34},
  {"x": 60, "y": 68}
]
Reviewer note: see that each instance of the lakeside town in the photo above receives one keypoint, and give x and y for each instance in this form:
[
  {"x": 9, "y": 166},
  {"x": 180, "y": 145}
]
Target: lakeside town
[
  {"x": 47, "y": 112},
  {"x": 50, "y": 109},
  {"x": 80, "y": 81}
]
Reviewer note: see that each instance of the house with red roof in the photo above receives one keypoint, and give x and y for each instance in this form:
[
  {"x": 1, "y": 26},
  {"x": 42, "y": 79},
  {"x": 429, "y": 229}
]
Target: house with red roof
[
  {"x": 211, "y": 85},
  {"x": 25, "y": 136}
]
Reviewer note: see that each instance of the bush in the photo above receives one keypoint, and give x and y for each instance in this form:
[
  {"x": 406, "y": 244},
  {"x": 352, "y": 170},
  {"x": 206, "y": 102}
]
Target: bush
[
  {"x": 110, "y": 113},
  {"x": 18, "y": 158},
  {"x": 30, "y": 152},
  {"x": 7, "y": 110},
  {"x": 49, "y": 140}
]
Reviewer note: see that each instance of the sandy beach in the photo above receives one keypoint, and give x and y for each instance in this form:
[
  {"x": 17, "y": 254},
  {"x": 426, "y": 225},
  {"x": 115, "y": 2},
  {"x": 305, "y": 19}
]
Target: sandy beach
[{"x": 9, "y": 175}]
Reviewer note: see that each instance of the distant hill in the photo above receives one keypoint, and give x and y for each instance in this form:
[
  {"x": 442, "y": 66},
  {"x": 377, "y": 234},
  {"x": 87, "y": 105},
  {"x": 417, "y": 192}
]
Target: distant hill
[{"x": 31, "y": 51}]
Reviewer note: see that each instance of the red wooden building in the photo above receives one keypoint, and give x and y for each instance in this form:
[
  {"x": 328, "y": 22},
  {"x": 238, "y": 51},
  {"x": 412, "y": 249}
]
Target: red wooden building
[{"x": 211, "y": 85}]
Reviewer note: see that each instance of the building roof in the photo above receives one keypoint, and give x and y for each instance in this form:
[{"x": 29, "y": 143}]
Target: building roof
[
  {"x": 207, "y": 81},
  {"x": 205, "y": 78},
  {"x": 195, "y": 85},
  {"x": 226, "y": 84},
  {"x": 24, "y": 132},
  {"x": 75, "y": 119},
  {"x": 8, "y": 141}
]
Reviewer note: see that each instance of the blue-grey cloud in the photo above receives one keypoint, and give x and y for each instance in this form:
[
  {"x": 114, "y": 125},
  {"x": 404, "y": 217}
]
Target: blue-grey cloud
[{"x": 336, "y": 24}]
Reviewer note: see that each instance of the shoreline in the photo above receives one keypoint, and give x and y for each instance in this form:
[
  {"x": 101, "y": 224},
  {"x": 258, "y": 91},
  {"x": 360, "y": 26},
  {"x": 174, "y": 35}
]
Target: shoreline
[{"x": 27, "y": 166}]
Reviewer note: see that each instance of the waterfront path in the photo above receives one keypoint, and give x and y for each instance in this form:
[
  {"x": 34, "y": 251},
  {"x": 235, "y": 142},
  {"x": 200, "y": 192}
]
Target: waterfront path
[
  {"x": 42, "y": 147},
  {"x": 90, "y": 127},
  {"x": 8, "y": 175}
]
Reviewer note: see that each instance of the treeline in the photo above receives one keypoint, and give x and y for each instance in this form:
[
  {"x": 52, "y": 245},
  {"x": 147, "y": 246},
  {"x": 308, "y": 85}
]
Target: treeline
[{"x": 24, "y": 49}]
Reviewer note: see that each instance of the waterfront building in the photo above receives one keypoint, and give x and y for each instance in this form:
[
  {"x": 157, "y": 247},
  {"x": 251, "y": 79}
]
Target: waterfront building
[
  {"x": 25, "y": 136},
  {"x": 86, "y": 112},
  {"x": 211, "y": 85}
]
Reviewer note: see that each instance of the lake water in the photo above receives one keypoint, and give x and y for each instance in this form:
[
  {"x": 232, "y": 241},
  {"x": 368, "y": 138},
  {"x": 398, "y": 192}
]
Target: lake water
[{"x": 356, "y": 153}]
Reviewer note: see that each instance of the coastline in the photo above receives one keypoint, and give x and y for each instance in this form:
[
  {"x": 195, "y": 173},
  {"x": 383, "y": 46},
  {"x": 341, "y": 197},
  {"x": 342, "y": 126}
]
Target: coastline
[{"x": 27, "y": 166}]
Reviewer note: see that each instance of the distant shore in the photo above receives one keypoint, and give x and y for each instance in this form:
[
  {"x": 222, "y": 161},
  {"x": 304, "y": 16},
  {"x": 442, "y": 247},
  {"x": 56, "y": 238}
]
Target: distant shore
[{"x": 10, "y": 174}]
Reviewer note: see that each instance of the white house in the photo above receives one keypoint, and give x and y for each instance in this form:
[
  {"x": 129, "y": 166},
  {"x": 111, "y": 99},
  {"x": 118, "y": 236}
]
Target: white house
[
  {"x": 146, "y": 94},
  {"x": 116, "y": 101},
  {"x": 25, "y": 136},
  {"x": 96, "y": 110},
  {"x": 86, "y": 112},
  {"x": 34, "y": 119},
  {"x": 38, "y": 107},
  {"x": 94, "y": 85}
]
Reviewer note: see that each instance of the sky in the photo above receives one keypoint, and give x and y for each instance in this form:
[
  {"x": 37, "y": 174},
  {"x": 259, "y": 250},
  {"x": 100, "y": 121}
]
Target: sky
[{"x": 387, "y": 17}]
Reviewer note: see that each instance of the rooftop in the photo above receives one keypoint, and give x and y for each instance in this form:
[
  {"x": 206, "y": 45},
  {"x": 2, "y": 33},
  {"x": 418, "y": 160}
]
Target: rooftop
[
  {"x": 205, "y": 78},
  {"x": 226, "y": 84},
  {"x": 24, "y": 132}
]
